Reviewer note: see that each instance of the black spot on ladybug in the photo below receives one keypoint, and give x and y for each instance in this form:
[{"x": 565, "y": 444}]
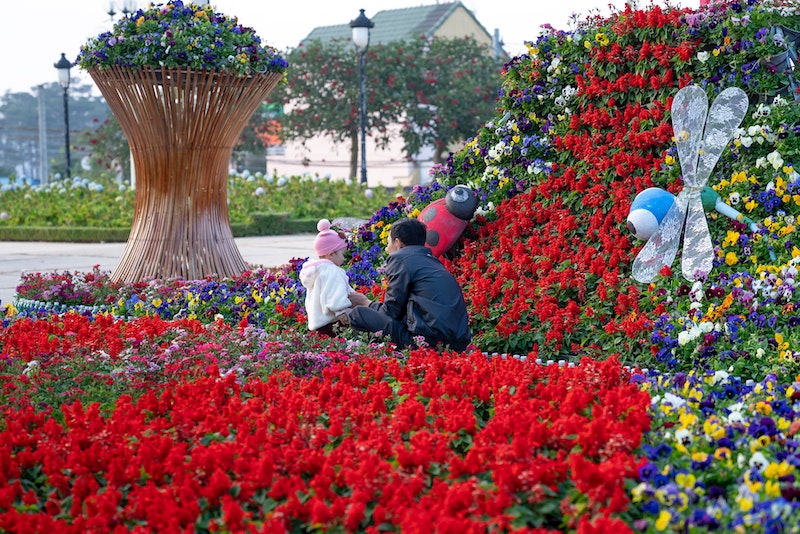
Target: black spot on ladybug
[
  {"x": 430, "y": 215},
  {"x": 432, "y": 238}
]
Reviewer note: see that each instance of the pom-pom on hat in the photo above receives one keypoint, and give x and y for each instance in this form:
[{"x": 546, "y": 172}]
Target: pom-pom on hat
[{"x": 328, "y": 240}]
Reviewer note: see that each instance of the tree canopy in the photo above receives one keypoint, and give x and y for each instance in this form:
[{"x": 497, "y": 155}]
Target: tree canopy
[{"x": 436, "y": 92}]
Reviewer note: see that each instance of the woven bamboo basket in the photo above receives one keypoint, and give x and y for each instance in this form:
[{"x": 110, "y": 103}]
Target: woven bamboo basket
[{"x": 181, "y": 125}]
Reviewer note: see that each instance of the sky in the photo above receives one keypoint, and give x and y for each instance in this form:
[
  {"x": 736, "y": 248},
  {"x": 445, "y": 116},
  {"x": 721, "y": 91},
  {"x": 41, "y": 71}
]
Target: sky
[{"x": 33, "y": 36}]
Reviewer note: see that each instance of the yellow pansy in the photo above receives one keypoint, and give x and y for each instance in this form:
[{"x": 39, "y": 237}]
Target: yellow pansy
[
  {"x": 778, "y": 470},
  {"x": 687, "y": 419},
  {"x": 722, "y": 453},
  {"x": 731, "y": 238},
  {"x": 713, "y": 429},
  {"x": 772, "y": 488},
  {"x": 745, "y": 503},
  {"x": 753, "y": 485},
  {"x": 763, "y": 407},
  {"x": 731, "y": 258},
  {"x": 687, "y": 480},
  {"x": 11, "y": 310},
  {"x": 663, "y": 520}
]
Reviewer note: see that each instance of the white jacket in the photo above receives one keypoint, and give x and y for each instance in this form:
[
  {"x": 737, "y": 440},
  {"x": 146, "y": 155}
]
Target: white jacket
[{"x": 327, "y": 289}]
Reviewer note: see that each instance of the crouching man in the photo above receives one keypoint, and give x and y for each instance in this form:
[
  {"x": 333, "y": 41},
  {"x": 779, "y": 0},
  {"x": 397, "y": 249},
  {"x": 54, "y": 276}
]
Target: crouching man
[{"x": 422, "y": 298}]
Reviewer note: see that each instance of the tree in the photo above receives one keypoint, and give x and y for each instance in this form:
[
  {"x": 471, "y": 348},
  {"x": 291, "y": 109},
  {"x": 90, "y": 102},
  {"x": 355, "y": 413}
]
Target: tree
[
  {"x": 19, "y": 124},
  {"x": 438, "y": 91},
  {"x": 322, "y": 93},
  {"x": 106, "y": 146},
  {"x": 451, "y": 89}
]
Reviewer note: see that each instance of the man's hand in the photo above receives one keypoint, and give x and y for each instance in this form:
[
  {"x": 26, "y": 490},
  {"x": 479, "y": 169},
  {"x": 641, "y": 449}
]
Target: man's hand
[{"x": 344, "y": 319}]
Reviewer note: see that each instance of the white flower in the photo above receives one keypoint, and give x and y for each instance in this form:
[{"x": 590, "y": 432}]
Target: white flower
[
  {"x": 368, "y": 193},
  {"x": 758, "y": 461},
  {"x": 260, "y": 191},
  {"x": 776, "y": 160},
  {"x": 720, "y": 377},
  {"x": 734, "y": 198},
  {"x": 746, "y": 141},
  {"x": 684, "y": 337},
  {"x": 702, "y": 56},
  {"x": 673, "y": 400},
  {"x": 683, "y": 436},
  {"x": 32, "y": 368}
]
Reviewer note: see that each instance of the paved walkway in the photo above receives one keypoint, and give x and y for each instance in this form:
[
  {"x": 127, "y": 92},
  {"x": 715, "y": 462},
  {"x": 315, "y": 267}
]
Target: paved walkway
[{"x": 17, "y": 257}]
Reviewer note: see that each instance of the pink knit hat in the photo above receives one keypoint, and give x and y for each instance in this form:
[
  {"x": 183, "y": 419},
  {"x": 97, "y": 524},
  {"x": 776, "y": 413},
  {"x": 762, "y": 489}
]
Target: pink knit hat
[{"x": 328, "y": 240}]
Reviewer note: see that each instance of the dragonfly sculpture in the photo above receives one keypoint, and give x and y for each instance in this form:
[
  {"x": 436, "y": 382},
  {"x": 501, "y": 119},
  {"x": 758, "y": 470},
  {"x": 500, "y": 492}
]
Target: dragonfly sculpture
[{"x": 701, "y": 134}]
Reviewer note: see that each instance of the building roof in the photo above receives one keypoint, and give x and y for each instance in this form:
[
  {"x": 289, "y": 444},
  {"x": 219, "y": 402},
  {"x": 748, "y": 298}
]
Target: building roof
[{"x": 397, "y": 24}]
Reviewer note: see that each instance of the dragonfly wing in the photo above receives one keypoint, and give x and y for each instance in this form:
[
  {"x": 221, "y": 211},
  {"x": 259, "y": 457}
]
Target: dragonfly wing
[
  {"x": 689, "y": 111},
  {"x": 724, "y": 117},
  {"x": 662, "y": 247},
  {"x": 697, "y": 256}
]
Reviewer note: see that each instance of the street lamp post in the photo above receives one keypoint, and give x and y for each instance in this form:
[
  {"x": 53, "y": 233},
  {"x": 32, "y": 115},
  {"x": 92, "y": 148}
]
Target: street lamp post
[
  {"x": 63, "y": 67},
  {"x": 361, "y": 29}
]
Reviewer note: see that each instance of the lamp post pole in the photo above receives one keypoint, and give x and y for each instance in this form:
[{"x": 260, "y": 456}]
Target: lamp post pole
[
  {"x": 361, "y": 32},
  {"x": 63, "y": 66}
]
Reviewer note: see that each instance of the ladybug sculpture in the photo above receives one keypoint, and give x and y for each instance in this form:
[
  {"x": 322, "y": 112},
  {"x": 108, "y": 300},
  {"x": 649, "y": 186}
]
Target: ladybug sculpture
[{"x": 447, "y": 217}]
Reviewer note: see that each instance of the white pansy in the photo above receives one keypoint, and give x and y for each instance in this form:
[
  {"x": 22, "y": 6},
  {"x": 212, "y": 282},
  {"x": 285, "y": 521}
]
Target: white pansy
[
  {"x": 703, "y": 56},
  {"x": 684, "y": 337},
  {"x": 746, "y": 141},
  {"x": 720, "y": 377},
  {"x": 673, "y": 400},
  {"x": 683, "y": 436},
  {"x": 758, "y": 461},
  {"x": 734, "y": 198},
  {"x": 775, "y": 159}
]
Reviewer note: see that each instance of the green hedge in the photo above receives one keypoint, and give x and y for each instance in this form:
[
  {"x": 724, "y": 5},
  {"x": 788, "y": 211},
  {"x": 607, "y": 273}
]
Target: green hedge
[{"x": 263, "y": 224}]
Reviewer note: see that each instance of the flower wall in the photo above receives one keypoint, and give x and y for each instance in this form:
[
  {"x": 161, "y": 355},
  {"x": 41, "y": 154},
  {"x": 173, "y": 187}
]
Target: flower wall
[
  {"x": 205, "y": 405},
  {"x": 583, "y": 126}
]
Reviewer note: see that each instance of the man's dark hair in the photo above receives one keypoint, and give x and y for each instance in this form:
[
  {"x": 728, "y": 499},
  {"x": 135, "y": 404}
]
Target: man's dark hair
[{"x": 409, "y": 231}]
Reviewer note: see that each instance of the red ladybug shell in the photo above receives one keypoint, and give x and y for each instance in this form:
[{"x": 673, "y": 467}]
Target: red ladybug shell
[{"x": 444, "y": 228}]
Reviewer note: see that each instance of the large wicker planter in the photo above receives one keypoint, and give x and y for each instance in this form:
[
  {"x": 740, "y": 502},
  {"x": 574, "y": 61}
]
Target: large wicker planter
[{"x": 181, "y": 125}]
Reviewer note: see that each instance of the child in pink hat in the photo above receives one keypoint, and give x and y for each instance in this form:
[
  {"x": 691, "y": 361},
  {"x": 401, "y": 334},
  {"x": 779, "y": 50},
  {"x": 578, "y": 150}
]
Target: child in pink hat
[{"x": 328, "y": 290}]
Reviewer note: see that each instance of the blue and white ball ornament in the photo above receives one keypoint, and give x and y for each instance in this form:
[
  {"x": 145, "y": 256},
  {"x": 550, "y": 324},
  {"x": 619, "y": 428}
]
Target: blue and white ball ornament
[{"x": 647, "y": 211}]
